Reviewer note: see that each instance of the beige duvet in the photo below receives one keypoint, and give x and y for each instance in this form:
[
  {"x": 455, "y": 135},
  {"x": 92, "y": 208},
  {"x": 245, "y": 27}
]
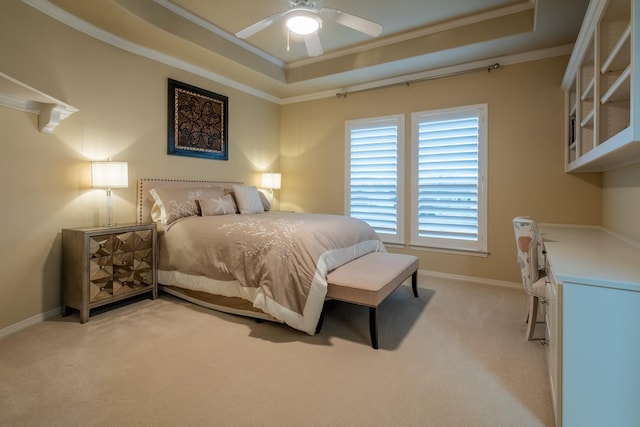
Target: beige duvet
[{"x": 277, "y": 261}]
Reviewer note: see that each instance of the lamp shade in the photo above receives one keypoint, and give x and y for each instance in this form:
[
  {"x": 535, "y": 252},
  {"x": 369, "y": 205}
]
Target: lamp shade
[
  {"x": 271, "y": 180},
  {"x": 109, "y": 174}
]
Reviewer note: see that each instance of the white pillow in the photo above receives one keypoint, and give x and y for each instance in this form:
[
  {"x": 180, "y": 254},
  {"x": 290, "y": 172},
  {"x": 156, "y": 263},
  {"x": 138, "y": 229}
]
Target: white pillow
[
  {"x": 248, "y": 199},
  {"x": 217, "y": 206}
]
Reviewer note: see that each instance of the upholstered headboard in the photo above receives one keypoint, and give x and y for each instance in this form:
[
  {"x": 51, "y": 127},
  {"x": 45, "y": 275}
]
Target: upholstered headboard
[{"x": 145, "y": 201}]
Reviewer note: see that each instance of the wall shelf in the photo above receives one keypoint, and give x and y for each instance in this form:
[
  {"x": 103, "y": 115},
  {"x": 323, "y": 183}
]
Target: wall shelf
[
  {"x": 17, "y": 95},
  {"x": 607, "y": 135}
]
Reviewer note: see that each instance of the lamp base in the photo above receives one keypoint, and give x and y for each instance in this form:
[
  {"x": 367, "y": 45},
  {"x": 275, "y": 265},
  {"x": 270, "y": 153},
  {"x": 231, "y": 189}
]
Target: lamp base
[{"x": 110, "y": 222}]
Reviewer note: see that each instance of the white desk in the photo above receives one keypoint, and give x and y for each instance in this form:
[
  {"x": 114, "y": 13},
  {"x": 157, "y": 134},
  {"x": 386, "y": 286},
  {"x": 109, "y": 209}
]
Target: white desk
[{"x": 593, "y": 326}]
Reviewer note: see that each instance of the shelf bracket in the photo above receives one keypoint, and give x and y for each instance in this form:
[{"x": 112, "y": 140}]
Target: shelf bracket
[{"x": 17, "y": 95}]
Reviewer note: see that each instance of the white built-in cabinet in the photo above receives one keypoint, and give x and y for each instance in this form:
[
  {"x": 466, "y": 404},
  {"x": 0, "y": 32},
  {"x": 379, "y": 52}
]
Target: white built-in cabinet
[
  {"x": 593, "y": 326},
  {"x": 602, "y": 86}
]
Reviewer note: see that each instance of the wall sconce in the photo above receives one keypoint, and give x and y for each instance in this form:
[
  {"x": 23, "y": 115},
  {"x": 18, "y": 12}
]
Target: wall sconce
[
  {"x": 109, "y": 175},
  {"x": 271, "y": 181}
]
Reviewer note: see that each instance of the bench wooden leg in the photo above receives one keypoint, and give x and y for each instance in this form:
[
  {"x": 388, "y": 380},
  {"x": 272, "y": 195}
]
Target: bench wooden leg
[
  {"x": 373, "y": 327},
  {"x": 414, "y": 283}
]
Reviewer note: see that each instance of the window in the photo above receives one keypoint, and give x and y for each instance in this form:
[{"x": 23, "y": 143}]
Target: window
[
  {"x": 449, "y": 167},
  {"x": 374, "y": 180}
]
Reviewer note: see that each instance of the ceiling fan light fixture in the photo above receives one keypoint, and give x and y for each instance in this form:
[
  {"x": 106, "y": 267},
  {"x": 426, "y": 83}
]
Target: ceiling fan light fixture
[{"x": 302, "y": 22}]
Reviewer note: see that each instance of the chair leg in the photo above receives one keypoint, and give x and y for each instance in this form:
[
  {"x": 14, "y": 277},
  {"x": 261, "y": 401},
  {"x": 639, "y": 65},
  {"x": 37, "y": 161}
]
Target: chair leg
[{"x": 532, "y": 318}]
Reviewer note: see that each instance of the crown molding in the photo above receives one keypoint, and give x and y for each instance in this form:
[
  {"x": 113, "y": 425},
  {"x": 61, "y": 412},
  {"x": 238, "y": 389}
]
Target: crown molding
[
  {"x": 437, "y": 72},
  {"x": 55, "y": 12},
  {"x": 61, "y": 15}
]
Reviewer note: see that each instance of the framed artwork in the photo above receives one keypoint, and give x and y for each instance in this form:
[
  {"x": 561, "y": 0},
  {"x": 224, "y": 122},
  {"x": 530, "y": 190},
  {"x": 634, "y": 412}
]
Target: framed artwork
[{"x": 198, "y": 122}]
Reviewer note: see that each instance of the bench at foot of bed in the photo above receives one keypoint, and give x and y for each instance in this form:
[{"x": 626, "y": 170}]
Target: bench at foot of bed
[{"x": 368, "y": 280}]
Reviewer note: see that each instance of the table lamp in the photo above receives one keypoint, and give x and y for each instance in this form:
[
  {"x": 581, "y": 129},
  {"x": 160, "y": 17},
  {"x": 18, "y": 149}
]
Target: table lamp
[{"x": 109, "y": 175}]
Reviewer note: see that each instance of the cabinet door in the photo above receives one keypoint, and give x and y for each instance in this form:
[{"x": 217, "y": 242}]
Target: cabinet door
[
  {"x": 143, "y": 266},
  {"x": 143, "y": 239},
  {"x": 123, "y": 273},
  {"x": 101, "y": 245},
  {"x": 100, "y": 277},
  {"x": 601, "y": 353},
  {"x": 553, "y": 311},
  {"x": 124, "y": 242}
]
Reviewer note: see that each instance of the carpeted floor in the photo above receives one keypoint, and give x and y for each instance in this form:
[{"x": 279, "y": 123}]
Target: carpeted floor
[{"x": 455, "y": 356}]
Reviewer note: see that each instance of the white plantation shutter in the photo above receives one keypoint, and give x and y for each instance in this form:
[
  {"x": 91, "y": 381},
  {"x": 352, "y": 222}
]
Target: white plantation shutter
[
  {"x": 448, "y": 194},
  {"x": 373, "y": 185}
]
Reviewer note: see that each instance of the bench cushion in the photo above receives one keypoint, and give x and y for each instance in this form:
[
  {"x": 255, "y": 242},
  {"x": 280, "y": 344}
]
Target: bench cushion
[{"x": 368, "y": 280}]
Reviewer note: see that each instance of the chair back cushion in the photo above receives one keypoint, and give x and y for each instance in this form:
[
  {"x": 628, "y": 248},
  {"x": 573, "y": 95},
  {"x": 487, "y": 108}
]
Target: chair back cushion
[{"x": 527, "y": 242}]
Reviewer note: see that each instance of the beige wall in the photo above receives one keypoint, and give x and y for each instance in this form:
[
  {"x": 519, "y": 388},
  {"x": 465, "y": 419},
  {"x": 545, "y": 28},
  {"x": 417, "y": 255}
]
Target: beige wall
[
  {"x": 621, "y": 201},
  {"x": 122, "y": 100},
  {"x": 526, "y": 129}
]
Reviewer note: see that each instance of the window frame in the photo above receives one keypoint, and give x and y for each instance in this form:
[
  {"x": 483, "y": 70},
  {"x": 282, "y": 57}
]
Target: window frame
[
  {"x": 399, "y": 121},
  {"x": 457, "y": 245}
]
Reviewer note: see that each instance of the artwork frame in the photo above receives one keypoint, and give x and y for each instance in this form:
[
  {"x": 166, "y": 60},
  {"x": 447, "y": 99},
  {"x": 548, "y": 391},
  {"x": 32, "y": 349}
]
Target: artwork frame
[{"x": 197, "y": 122}]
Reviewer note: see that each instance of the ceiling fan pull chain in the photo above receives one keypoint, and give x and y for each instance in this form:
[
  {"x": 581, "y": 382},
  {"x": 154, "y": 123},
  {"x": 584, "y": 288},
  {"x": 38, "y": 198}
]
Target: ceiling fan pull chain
[{"x": 288, "y": 32}]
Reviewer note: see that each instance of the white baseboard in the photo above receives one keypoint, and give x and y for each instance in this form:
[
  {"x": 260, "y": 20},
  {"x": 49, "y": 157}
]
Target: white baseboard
[
  {"x": 30, "y": 321},
  {"x": 471, "y": 279}
]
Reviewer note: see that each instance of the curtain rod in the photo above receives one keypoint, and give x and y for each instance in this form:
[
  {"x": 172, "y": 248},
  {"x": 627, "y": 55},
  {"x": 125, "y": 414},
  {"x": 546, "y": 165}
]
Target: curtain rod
[{"x": 409, "y": 82}]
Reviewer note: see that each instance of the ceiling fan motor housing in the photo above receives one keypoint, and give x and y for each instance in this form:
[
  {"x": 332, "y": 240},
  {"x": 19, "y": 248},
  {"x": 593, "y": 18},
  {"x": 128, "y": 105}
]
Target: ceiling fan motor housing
[{"x": 308, "y": 4}]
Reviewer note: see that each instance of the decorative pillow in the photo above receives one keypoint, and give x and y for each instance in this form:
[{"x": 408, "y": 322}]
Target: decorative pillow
[
  {"x": 156, "y": 213},
  {"x": 248, "y": 199},
  {"x": 173, "y": 204},
  {"x": 217, "y": 206},
  {"x": 265, "y": 201}
]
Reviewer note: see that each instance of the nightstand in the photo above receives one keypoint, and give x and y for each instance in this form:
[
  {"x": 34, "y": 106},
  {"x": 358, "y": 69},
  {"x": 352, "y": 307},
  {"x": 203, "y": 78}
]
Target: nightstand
[{"x": 101, "y": 265}]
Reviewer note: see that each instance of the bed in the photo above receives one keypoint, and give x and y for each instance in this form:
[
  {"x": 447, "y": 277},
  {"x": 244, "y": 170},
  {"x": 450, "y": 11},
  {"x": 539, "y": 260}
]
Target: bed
[{"x": 221, "y": 247}]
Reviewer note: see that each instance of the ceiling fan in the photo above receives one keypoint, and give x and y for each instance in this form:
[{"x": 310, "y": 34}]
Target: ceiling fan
[{"x": 305, "y": 17}]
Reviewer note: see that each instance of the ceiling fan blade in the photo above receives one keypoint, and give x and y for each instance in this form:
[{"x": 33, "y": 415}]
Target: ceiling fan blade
[
  {"x": 312, "y": 41},
  {"x": 355, "y": 22},
  {"x": 258, "y": 26}
]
